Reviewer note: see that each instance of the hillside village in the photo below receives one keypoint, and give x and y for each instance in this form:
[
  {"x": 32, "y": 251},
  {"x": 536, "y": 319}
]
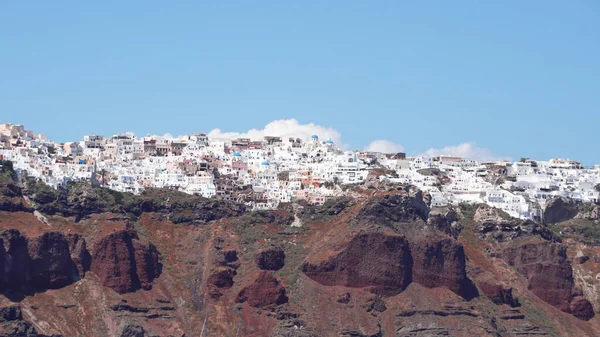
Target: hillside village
[{"x": 262, "y": 173}]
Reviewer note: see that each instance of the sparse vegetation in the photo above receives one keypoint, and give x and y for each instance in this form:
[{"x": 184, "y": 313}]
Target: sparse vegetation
[
  {"x": 586, "y": 207},
  {"x": 294, "y": 255},
  {"x": 468, "y": 210},
  {"x": 6, "y": 167},
  {"x": 7, "y": 172},
  {"x": 533, "y": 314},
  {"x": 248, "y": 226},
  {"x": 330, "y": 208},
  {"x": 583, "y": 230}
]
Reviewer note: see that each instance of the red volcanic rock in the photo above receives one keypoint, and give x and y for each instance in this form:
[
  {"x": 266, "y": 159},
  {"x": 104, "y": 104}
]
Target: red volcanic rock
[
  {"x": 491, "y": 287},
  {"x": 378, "y": 261},
  {"x": 553, "y": 283},
  {"x": 390, "y": 209},
  {"x": 270, "y": 259},
  {"x": 265, "y": 290},
  {"x": 113, "y": 260},
  {"x": 79, "y": 253},
  {"x": 544, "y": 264},
  {"x": 550, "y": 275},
  {"x": 439, "y": 261},
  {"x": 124, "y": 263},
  {"x": 146, "y": 262},
  {"x": 532, "y": 253},
  {"x": 51, "y": 264},
  {"x": 581, "y": 308},
  {"x": 16, "y": 271},
  {"x": 222, "y": 277},
  {"x": 42, "y": 262},
  {"x": 227, "y": 258}
]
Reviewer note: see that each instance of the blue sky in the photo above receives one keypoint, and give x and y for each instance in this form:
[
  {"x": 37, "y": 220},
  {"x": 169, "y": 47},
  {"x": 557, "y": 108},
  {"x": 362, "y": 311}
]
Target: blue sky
[{"x": 520, "y": 78}]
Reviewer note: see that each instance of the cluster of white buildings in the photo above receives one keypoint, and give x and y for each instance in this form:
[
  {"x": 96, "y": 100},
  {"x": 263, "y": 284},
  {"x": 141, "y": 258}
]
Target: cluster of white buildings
[{"x": 263, "y": 173}]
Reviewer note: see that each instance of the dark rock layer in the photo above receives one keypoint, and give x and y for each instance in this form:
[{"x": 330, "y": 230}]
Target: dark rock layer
[{"x": 124, "y": 263}]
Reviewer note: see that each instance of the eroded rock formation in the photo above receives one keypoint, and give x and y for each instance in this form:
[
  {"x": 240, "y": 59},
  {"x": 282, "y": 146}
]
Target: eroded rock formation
[{"x": 125, "y": 263}]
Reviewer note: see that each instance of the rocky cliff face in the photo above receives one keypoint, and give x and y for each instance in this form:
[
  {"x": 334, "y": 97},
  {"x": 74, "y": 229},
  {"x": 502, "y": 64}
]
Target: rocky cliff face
[
  {"x": 446, "y": 220},
  {"x": 379, "y": 264},
  {"x": 392, "y": 209},
  {"x": 560, "y": 209},
  {"x": 16, "y": 271},
  {"x": 10, "y": 193},
  {"x": 550, "y": 276},
  {"x": 13, "y": 325},
  {"x": 376, "y": 261},
  {"x": 124, "y": 263},
  {"x": 494, "y": 224},
  {"x": 440, "y": 262},
  {"x": 270, "y": 259},
  {"x": 38, "y": 263},
  {"x": 182, "y": 208},
  {"x": 492, "y": 287},
  {"x": 264, "y": 290},
  {"x": 51, "y": 263},
  {"x": 387, "y": 264}
]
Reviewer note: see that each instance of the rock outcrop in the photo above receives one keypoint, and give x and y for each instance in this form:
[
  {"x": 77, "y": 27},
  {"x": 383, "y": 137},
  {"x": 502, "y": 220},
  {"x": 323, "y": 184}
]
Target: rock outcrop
[
  {"x": 391, "y": 210},
  {"x": 185, "y": 208},
  {"x": 388, "y": 263},
  {"x": 589, "y": 212},
  {"x": 272, "y": 258},
  {"x": 492, "y": 287},
  {"x": 124, "y": 263},
  {"x": 133, "y": 330},
  {"x": 264, "y": 291},
  {"x": 329, "y": 209},
  {"x": 220, "y": 278},
  {"x": 444, "y": 219},
  {"x": 81, "y": 200},
  {"x": 550, "y": 275},
  {"x": 50, "y": 261},
  {"x": 11, "y": 195},
  {"x": 79, "y": 253},
  {"x": 439, "y": 261},
  {"x": 78, "y": 199},
  {"x": 14, "y": 205},
  {"x": 13, "y": 325},
  {"x": 41, "y": 262},
  {"x": 16, "y": 271},
  {"x": 581, "y": 308},
  {"x": 559, "y": 210},
  {"x": 376, "y": 261},
  {"x": 227, "y": 258},
  {"x": 493, "y": 223}
]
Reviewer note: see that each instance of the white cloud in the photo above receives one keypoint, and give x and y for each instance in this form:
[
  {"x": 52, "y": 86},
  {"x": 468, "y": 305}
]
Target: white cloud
[
  {"x": 465, "y": 150},
  {"x": 282, "y": 128},
  {"x": 384, "y": 146}
]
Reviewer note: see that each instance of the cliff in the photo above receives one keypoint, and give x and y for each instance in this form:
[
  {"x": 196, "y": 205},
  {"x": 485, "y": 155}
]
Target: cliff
[{"x": 92, "y": 262}]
